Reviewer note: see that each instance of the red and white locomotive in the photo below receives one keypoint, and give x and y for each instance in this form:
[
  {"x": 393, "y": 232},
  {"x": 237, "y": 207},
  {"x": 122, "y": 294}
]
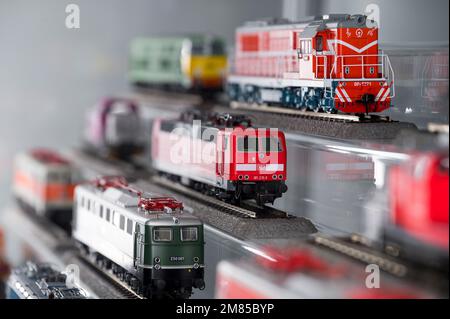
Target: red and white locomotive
[
  {"x": 222, "y": 154},
  {"x": 330, "y": 63}
]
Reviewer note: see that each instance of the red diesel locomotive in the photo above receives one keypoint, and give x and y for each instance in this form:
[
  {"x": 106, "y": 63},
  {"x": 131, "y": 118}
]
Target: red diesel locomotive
[
  {"x": 222, "y": 154},
  {"x": 330, "y": 63}
]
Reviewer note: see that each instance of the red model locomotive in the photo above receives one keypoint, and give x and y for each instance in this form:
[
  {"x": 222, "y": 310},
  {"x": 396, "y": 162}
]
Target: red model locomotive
[
  {"x": 330, "y": 63},
  {"x": 223, "y": 154},
  {"x": 419, "y": 206},
  {"x": 299, "y": 272}
]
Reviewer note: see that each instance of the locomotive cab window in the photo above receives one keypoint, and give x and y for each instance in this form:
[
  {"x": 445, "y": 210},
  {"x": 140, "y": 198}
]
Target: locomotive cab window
[
  {"x": 217, "y": 47},
  {"x": 319, "y": 43},
  {"x": 198, "y": 49},
  {"x": 189, "y": 234},
  {"x": 271, "y": 144},
  {"x": 162, "y": 234},
  {"x": 247, "y": 144}
]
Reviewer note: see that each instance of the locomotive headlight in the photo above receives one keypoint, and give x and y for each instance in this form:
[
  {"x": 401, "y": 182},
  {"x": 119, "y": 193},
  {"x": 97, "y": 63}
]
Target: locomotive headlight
[
  {"x": 246, "y": 177},
  {"x": 157, "y": 260},
  {"x": 280, "y": 176},
  {"x": 274, "y": 176},
  {"x": 240, "y": 177},
  {"x": 196, "y": 266},
  {"x": 196, "y": 259},
  {"x": 157, "y": 267}
]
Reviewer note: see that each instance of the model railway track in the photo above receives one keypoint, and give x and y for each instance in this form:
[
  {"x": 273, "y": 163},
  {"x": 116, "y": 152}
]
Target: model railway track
[
  {"x": 108, "y": 276},
  {"x": 247, "y": 210},
  {"x": 346, "y": 118},
  {"x": 110, "y": 166},
  {"x": 265, "y": 211},
  {"x": 152, "y": 95},
  {"x": 205, "y": 199},
  {"x": 364, "y": 255}
]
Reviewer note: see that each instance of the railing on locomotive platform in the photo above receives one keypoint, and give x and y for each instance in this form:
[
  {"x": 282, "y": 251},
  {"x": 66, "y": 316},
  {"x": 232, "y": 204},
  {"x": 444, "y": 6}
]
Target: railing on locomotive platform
[
  {"x": 434, "y": 75},
  {"x": 343, "y": 71}
]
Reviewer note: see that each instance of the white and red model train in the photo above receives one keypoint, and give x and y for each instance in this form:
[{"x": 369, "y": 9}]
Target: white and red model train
[
  {"x": 330, "y": 63},
  {"x": 223, "y": 154},
  {"x": 44, "y": 183}
]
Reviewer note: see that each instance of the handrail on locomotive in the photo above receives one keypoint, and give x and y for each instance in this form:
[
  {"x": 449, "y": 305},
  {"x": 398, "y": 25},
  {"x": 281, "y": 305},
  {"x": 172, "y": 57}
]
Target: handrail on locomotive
[{"x": 384, "y": 63}]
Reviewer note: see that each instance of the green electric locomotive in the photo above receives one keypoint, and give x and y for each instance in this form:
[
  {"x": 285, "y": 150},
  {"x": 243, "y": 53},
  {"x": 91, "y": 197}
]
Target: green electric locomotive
[{"x": 147, "y": 240}]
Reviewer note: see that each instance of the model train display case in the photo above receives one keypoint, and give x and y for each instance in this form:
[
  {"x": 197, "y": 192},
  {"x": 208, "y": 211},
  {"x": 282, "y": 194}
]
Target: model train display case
[{"x": 338, "y": 200}]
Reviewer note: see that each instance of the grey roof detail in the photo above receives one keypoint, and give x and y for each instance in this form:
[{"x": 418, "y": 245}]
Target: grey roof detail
[
  {"x": 120, "y": 198},
  {"x": 327, "y": 21},
  {"x": 310, "y": 31}
]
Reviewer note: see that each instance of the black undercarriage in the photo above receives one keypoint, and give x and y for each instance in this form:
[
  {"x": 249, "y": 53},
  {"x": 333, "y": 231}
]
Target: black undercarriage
[
  {"x": 150, "y": 283},
  {"x": 60, "y": 217},
  {"x": 261, "y": 192}
]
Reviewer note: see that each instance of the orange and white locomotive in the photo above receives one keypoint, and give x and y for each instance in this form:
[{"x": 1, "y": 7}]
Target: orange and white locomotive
[
  {"x": 44, "y": 184},
  {"x": 330, "y": 63}
]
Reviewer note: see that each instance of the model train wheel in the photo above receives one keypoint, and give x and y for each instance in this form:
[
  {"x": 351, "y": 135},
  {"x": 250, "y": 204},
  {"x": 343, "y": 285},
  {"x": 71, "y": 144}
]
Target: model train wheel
[{"x": 331, "y": 111}]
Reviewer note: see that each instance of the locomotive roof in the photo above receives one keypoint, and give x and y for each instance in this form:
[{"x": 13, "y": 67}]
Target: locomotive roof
[
  {"x": 129, "y": 202},
  {"x": 46, "y": 156},
  {"x": 214, "y": 127},
  {"x": 194, "y": 37},
  {"x": 318, "y": 23}
]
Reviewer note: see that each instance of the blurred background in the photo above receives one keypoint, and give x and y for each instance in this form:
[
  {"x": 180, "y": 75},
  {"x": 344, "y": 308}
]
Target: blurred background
[{"x": 49, "y": 75}]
